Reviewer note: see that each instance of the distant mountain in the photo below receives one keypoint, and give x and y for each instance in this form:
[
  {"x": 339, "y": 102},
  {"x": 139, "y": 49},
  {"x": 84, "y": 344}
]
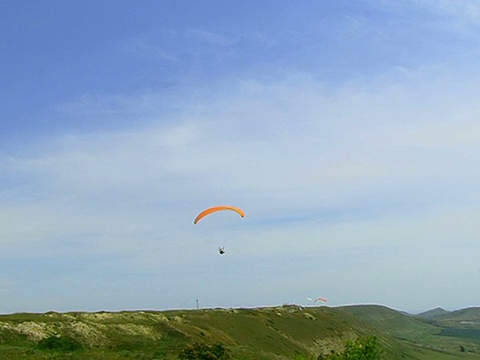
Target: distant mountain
[
  {"x": 455, "y": 318},
  {"x": 471, "y": 313},
  {"x": 436, "y": 313},
  {"x": 464, "y": 318}
]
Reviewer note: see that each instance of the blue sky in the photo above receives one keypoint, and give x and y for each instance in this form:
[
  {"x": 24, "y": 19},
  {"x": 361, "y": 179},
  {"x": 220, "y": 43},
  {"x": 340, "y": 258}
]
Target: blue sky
[{"x": 348, "y": 132}]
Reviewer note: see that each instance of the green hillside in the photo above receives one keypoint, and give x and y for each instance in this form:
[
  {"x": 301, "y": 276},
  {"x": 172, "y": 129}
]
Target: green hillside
[
  {"x": 464, "y": 318},
  {"x": 417, "y": 331},
  {"x": 461, "y": 324},
  {"x": 282, "y": 332}
]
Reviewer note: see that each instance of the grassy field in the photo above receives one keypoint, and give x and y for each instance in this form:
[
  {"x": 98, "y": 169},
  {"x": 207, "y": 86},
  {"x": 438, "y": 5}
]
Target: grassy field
[{"x": 264, "y": 333}]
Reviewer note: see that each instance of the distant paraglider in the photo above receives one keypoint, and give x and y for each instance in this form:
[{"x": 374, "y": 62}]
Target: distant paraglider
[
  {"x": 206, "y": 212},
  {"x": 217, "y": 208},
  {"x": 314, "y": 301}
]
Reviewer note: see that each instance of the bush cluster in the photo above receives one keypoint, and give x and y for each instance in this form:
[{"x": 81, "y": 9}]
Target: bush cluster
[
  {"x": 359, "y": 349},
  {"x": 62, "y": 343},
  {"x": 200, "y": 351}
]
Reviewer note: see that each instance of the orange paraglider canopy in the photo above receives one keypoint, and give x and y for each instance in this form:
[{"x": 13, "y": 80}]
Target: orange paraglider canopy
[
  {"x": 217, "y": 208},
  {"x": 320, "y": 299}
]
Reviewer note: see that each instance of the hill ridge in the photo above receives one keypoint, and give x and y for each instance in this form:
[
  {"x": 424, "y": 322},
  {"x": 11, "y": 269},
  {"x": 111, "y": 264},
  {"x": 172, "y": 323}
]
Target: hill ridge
[{"x": 273, "y": 332}]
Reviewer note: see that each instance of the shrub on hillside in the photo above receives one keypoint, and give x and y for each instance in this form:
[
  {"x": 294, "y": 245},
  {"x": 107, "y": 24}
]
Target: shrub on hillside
[
  {"x": 202, "y": 351},
  {"x": 62, "y": 343},
  {"x": 360, "y": 349}
]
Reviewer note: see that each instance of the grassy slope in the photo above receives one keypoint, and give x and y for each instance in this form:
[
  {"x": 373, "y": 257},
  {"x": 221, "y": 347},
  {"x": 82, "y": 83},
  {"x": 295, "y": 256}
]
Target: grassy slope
[
  {"x": 413, "y": 330},
  {"x": 464, "y": 318},
  {"x": 461, "y": 324},
  {"x": 265, "y": 333}
]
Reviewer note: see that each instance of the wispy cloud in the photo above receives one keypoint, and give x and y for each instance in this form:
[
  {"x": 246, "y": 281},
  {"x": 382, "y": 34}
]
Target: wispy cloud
[
  {"x": 318, "y": 158},
  {"x": 351, "y": 175},
  {"x": 210, "y": 37},
  {"x": 469, "y": 9},
  {"x": 348, "y": 133},
  {"x": 143, "y": 47}
]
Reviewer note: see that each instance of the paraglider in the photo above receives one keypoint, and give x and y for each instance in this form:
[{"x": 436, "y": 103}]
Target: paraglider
[
  {"x": 215, "y": 209},
  {"x": 206, "y": 212},
  {"x": 314, "y": 301}
]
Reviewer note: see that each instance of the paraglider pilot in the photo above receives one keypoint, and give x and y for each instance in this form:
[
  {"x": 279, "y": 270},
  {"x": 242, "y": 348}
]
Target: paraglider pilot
[{"x": 221, "y": 250}]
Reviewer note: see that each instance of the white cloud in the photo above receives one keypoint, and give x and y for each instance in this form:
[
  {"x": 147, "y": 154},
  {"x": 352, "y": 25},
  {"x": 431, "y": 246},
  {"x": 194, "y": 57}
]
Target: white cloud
[
  {"x": 469, "y": 9},
  {"x": 146, "y": 48},
  {"x": 279, "y": 141},
  {"x": 461, "y": 18},
  {"x": 210, "y": 37},
  {"x": 347, "y": 174}
]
